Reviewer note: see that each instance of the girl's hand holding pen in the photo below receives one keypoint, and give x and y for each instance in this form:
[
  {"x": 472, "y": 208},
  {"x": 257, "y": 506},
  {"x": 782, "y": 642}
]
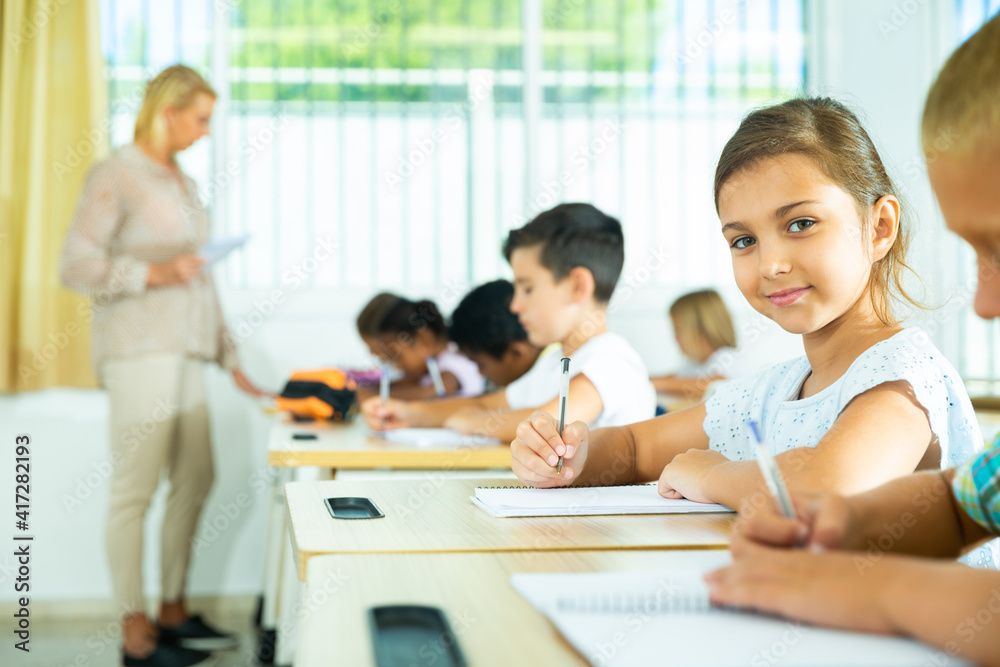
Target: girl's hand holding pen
[
  {"x": 536, "y": 450},
  {"x": 384, "y": 416}
]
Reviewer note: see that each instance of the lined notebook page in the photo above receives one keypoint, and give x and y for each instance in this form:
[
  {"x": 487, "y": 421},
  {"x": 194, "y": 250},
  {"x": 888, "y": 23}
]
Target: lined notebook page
[
  {"x": 633, "y": 619},
  {"x": 435, "y": 437},
  {"x": 584, "y": 501}
]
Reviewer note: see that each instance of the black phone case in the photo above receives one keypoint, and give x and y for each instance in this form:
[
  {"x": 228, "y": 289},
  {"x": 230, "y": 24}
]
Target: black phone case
[
  {"x": 353, "y": 508},
  {"x": 404, "y": 635}
]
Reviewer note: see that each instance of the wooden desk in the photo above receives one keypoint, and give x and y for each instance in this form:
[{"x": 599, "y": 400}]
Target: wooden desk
[
  {"x": 349, "y": 446},
  {"x": 436, "y": 515},
  {"x": 337, "y": 446},
  {"x": 493, "y": 623}
]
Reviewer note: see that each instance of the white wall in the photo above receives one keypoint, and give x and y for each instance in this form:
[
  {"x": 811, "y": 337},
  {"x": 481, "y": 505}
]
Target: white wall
[{"x": 852, "y": 56}]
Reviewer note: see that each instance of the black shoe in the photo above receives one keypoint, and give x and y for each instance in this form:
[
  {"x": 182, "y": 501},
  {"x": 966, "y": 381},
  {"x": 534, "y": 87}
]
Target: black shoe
[
  {"x": 167, "y": 655},
  {"x": 195, "y": 634}
]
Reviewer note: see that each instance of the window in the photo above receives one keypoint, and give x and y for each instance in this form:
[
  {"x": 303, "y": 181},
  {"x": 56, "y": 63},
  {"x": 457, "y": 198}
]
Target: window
[
  {"x": 973, "y": 340},
  {"x": 412, "y": 135}
]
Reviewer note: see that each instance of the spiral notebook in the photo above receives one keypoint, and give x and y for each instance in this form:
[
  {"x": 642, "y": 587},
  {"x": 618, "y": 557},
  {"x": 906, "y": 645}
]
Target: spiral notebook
[
  {"x": 642, "y": 619},
  {"x": 523, "y": 501},
  {"x": 436, "y": 437}
]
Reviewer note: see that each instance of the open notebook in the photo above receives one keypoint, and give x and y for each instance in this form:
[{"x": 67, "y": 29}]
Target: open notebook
[
  {"x": 516, "y": 501},
  {"x": 435, "y": 437},
  {"x": 643, "y": 619}
]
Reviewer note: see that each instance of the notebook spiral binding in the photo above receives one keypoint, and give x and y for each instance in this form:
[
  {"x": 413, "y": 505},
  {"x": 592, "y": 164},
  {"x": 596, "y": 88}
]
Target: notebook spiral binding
[
  {"x": 652, "y": 603},
  {"x": 581, "y": 486}
]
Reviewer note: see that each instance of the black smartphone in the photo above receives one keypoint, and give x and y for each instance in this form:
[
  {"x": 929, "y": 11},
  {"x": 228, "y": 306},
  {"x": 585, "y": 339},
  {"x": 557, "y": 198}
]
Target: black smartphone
[
  {"x": 406, "y": 634},
  {"x": 353, "y": 508},
  {"x": 304, "y": 436}
]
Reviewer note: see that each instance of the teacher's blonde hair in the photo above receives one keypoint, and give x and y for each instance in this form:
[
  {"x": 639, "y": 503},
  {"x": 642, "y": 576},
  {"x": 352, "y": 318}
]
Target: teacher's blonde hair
[{"x": 175, "y": 87}]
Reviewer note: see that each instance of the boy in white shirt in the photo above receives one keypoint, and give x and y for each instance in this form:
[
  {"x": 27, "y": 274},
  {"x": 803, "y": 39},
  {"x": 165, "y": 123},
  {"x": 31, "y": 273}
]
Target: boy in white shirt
[{"x": 566, "y": 263}]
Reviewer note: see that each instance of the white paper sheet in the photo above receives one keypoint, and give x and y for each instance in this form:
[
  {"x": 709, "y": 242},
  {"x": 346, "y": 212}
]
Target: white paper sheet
[
  {"x": 645, "y": 619},
  {"x": 216, "y": 249},
  {"x": 585, "y": 501},
  {"x": 435, "y": 437}
]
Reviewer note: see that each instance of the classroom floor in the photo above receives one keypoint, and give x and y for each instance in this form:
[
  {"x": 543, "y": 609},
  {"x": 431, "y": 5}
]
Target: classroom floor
[{"x": 75, "y": 643}]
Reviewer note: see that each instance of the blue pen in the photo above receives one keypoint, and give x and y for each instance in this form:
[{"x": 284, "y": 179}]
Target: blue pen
[
  {"x": 772, "y": 475},
  {"x": 435, "y": 373},
  {"x": 383, "y": 388}
]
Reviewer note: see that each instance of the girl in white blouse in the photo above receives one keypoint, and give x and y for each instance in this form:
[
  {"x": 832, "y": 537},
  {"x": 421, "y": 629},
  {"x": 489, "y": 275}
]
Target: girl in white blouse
[
  {"x": 818, "y": 245},
  {"x": 156, "y": 320}
]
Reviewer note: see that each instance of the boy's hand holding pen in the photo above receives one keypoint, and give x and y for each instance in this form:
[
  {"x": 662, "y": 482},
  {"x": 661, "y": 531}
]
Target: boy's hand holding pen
[
  {"x": 548, "y": 453},
  {"x": 535, "y": 451}
]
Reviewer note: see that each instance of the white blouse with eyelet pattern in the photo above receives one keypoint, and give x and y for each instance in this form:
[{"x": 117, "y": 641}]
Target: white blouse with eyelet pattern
[
  {"x": 769, "y": 397},
  {"x": 133, "y": 212}
]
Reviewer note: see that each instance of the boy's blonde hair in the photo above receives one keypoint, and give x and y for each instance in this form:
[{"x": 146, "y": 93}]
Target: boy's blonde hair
[
  {"x": 175, "y": 87},
  {"x": 702, "y": 315},
  {"x": 962, "y": 112}
]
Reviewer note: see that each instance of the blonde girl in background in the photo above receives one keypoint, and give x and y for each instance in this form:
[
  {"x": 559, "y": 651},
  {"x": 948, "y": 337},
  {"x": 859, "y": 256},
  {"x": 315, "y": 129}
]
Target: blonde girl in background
[{"x": 704, "y": 332}]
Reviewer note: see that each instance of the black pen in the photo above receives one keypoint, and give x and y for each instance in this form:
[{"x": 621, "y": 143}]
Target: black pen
[{"x": 563, "y": 397}]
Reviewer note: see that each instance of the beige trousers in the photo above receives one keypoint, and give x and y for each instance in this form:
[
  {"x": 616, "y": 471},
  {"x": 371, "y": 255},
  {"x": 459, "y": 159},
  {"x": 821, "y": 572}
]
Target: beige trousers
[{"x": 159, "y": 424}]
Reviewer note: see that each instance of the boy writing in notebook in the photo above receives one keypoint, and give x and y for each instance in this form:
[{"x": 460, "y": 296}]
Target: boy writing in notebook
[
  {"x": 566, "y": 263},
  {"x": 859, "y": 570}
]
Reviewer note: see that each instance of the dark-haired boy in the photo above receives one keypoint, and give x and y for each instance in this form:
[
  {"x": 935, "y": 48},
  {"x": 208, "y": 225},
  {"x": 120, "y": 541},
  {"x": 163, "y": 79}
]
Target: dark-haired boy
[
  {"x": 489, "y": 334},
  {"x": 566, "y": 263}
]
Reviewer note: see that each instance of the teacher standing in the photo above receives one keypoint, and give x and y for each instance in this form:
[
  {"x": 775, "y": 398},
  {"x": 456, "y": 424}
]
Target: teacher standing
[{"x": 156, "y": 321}]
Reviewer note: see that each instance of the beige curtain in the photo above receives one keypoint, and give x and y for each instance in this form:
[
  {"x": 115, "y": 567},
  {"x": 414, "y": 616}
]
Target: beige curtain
[{"x": 53, "y": 127}]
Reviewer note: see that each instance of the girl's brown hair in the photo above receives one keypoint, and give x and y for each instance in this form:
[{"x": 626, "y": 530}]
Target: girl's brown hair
[
  {"x": 371, "y": 316},
  {"x": 829, "y": 133}
]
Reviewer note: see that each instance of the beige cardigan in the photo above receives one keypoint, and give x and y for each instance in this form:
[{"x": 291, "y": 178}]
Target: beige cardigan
[{"x": 134, "y": 212}]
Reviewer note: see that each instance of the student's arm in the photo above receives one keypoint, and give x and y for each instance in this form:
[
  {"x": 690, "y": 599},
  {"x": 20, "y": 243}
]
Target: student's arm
[
  {"x": 404, "y": 389},
  {"x": 691, "y": 387},
  {"x": 916, "y": 514},
  {"x": 585, "y": 405},
  {"x": 450, "y": 382},
  {"x": 881, "y": 434},
  {"x": 410, "y": 390},
  {"x": 940, "y": 603},
  {"x": 606, "y": 456},
  {"x": 398, "y": 414}
]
